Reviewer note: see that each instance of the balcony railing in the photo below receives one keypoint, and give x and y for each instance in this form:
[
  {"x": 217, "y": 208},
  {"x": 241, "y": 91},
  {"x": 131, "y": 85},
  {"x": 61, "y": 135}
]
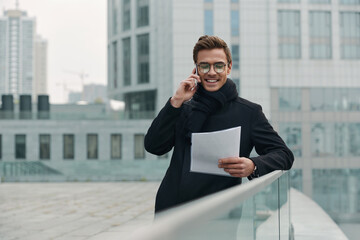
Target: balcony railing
[{"x": 258, "y": 209}]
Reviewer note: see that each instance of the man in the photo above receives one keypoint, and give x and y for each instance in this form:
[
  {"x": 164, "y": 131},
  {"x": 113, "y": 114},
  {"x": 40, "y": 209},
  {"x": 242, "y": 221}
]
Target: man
[{"x": 206, "y": 102}]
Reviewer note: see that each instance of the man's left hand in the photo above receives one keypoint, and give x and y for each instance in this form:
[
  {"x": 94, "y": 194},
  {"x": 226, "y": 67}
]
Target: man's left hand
[{"x": 237, "y": 166}]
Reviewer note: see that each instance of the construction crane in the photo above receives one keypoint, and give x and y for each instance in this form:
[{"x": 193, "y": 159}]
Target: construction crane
[{"x": 82, "y": 75}]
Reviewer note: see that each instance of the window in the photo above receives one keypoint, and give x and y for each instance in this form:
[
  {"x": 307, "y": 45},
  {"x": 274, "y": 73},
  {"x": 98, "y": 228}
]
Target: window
[
  {"x": 350, "y": 2},
  {"x": 115, "y": 66},
  {"x": 140, "y": 105},
  {"x": 127, "y": 61},
  {"x": 320, "y": 1},
  {"x": 209, "y": 22},
  {"x": 291, "y": 133},
  {"x": 288, "y": 1},
  {"x": 234, "y": 23},
  {"x": 289, "y": 34},
  {"x": 289, "y": 99},
  {"x": 92, "y": 146},
  {"x": 114, "y": 17},
  {"x": 235, "y": 56},
  {"x": 320, "y": 34},
  {"x": 44, "y": 146},
  {"x": 139, "y": 151},
  {"x": 115, "y": 146},
  {"x": 126, "y": 17},
  {"x": 68, "y": 144},
  {"x": 20, "y": 146},
  {"x": 350, "y": 35},
  {"x": 142, "y": 13},
  {"x": 143, "y": 58},
  {"x": 335, "y": 99},
  {"x": 0, "y": 147}
]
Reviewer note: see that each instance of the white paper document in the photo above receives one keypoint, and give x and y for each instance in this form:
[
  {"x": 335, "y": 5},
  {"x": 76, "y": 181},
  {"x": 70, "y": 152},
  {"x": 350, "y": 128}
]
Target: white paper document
[{"x": 208, "y": 147}]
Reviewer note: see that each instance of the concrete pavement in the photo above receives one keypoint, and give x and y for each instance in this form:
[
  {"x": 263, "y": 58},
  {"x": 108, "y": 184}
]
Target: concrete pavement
[{"x": 75, "y": 211}]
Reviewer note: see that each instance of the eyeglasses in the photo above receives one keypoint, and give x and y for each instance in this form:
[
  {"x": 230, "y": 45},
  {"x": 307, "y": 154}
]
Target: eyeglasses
[{"x": 205, "y": 67}]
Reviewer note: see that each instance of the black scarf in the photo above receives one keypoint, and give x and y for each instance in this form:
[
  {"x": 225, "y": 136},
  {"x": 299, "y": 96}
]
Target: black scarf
[{"x": 205, "y": 103}]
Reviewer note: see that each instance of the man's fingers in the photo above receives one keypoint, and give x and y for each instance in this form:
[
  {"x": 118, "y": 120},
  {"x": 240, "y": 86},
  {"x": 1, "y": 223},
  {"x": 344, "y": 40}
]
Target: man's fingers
[
  {"x": 231, "y": 165},
  {"x": 230, "y": 160}
]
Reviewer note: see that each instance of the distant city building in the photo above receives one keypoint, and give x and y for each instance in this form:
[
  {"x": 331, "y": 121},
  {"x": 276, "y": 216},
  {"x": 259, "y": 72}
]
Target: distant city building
[
  {"x": 19, "y": 49},
  {"x": 92, "y": 93},
  {"x": 299, "y": 59},
  {"x": 40, "y": 69}
]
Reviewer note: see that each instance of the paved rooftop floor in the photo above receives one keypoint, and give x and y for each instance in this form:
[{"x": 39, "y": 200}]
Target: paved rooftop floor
[{"x": 75, "y": 211}]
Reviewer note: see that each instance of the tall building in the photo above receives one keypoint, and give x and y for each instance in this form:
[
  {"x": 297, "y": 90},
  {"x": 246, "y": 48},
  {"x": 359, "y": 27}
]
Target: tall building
[
  {"x": 299, "y": 59},
  {"x": 40, "y": 66},
  {"x": 17, "y": 34}
]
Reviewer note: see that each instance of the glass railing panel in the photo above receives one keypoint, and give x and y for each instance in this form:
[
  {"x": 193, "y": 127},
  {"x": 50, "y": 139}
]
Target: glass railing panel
[
  {"x": 266, "y": 212},
  {"x": 264, "y": 215},
  {"x": 284, "y": 206}
]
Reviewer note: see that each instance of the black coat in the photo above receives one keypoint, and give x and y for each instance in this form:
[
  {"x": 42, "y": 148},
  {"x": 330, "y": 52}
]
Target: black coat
[{"x": 168, "y": 130}]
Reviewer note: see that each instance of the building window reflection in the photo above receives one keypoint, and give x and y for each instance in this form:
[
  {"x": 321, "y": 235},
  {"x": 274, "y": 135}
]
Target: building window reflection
[
  {"x": 44, "y": 146},
  {"x": 289, "y": 99},
  {"x": 139, "y": 152},
  {"x": 142, "y": 13},
  {"x": 350, "y": 35},
  {"x": 335, "y": 99},
  {"x": 92, "y": 146},
  {"x": 234, "y": 23},
  {"x": 291, "y": 134},
  {"x": 209, "y": 22},
  {"x": 289, "y": 34},
  {"x": 126, "y": 61},
  {"x": 126, "y": 17},
  {"x": 68, "y": 146},
  {"x": 20, "y": 146},
  {"x": 0, "y": 147},
  {"x": 143, "y": 50},
  {"x": 140, "y": 105},
  {"x": 335, "y": 139},
  {"x": 115, "y": 146},
  {"x": 320, "y": 34}
]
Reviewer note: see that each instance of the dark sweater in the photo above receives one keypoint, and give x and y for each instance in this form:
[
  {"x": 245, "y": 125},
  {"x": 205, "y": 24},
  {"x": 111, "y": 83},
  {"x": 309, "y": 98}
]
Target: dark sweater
[{"x": 168, "y": 130}]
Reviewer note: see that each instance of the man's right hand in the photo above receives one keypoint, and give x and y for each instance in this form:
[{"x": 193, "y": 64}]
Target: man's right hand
[{"x": 186, "y": 90}]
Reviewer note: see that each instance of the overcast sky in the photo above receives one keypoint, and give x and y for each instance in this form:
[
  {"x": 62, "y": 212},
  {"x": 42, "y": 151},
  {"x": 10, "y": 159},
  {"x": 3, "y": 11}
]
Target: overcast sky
[{"x": 76, "y": 34}]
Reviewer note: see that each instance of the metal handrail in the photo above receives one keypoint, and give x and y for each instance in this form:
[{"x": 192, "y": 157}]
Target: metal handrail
[{"x": 178, "y": 219}]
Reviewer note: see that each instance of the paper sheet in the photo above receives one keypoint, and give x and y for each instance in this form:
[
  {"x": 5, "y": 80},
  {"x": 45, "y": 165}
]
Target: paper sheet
[{"x": 207, "y": 148}]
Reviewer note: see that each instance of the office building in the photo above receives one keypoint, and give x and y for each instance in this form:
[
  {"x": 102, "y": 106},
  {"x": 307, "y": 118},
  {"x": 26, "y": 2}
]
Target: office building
[
  {"x": 299, "y": 59},
  {"x": 40, "y": 66}
]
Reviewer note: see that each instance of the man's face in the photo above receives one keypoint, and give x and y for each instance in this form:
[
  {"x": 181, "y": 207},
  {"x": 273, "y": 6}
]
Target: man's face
[{"x": 213, "y": 80}]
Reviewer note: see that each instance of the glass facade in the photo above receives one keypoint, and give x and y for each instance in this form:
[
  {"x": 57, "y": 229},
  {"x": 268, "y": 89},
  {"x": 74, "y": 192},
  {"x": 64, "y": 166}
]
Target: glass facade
[
  {"x": 20, "y": 146},
  {"x": 140, "y": 105},
  {"x": 338, "y": 192},
  {"x": 289, "y": 34},
  {"x": 288, "y": 1},
  {"x": 320, "y": 35},
  {"x": 142, "y": 13},
  {"x": 335, "y": 139},
  {"x": 126, "y": 61},
  {"x": 320, "y": 1},
  {"x": 68, "y": 146},
  {"x": 115, "y": 14},
  {"x": 350, "y": 2},
  {"x": 235, "y": 54},
  {"x": 291, "y": 134},
  {"x": 209, "y": 22},
  {"x": 0, "y": 147},
  {"x": 92, "y": 146},
  {"x": 115, "y": 64},
  {"x": 44, "y": 146},
  {"x": 350, "y": 35},
  {"x": 235, "y": 22},
  {"x": 139, "y": 150},
  {"x": 116, "y": 146},
  {"x": 335, "y": 99},
  {"x": 143, "y": 59},
  {"x": 289, "y": 99},
  {"x": 126, "y": 14}
]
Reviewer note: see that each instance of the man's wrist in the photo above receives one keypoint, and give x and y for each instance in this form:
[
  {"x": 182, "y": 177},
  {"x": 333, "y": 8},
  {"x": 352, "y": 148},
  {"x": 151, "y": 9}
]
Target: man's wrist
[{"x": 176, "y": 103}]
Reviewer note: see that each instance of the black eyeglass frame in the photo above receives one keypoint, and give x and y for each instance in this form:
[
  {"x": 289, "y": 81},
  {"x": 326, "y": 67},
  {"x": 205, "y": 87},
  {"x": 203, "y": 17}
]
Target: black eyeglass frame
[{"x": 209, "y": 65}]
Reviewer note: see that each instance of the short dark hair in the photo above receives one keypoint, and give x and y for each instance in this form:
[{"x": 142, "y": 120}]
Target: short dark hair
[{"x": 211, "y": 42}]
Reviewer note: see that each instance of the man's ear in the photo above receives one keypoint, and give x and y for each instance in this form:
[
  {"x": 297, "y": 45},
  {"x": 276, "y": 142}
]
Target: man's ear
[{"x": 229, "y": 68}]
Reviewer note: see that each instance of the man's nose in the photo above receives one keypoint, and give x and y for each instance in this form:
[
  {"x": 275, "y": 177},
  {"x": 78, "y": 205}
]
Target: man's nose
[{"x": 212, "y": 70}]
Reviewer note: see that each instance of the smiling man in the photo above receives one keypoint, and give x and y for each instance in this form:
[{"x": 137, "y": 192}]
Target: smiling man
[{"x": 204, "y": 102}]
